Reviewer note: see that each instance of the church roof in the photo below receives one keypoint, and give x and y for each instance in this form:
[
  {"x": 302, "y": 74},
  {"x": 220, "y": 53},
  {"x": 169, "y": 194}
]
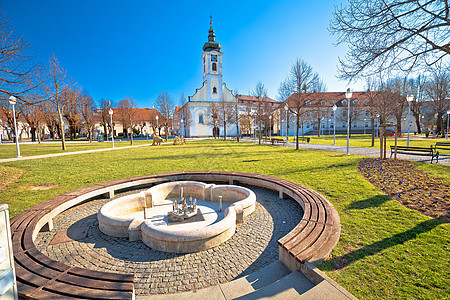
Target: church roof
[{"x": 211, "y": 44}]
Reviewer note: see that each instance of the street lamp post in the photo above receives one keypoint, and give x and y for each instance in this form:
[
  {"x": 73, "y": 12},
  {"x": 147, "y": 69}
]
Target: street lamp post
[
  {"x": 112, "y": 127},
  {"x": 157, "y": 127},
  {"x": 378, "y": 123},
  {"x": 270, "y": 127},
  {"x": 181, "y": 129},
  {"x": 334, "y": 124},
  {"x": 448, "y": 117},
  {"x": 365, "y": 120},
  {"x": 12, "y": 101},
  {"x": 286, "y": 108},
  {"x": 409, "y": 98},
  {"x": 348, "y": 95}
]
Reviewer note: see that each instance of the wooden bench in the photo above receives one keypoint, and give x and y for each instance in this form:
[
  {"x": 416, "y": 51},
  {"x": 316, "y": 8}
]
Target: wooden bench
[
  {"x": 442, "y": 145},
  {"x": 277, "y": 140},
  {"x": 422, "y": 151},
  {"x": 303, "y": 139},
  {"x": 39, "y": 277}
]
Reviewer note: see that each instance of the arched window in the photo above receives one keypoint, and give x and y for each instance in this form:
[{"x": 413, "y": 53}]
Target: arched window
[
  {"x": 308, "y": 103},
  {"x": 200, "y": 118},
  {"x": 214, "y": 90},
  {"x": 214, "y": 67}
]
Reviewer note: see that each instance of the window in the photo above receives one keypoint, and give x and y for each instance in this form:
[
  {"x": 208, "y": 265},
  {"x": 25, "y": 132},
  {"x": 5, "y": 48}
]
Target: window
[
  {"x": 344, "y": 102},
  {"x": 355, "y": 102},
  {"x": 366, "y": 125},
  {"x": 355, "y": 124},
  {"x": 343, "y": 125},
  {"x": 214, "y": 67},
  {"x": 367, "y": 114},
  {"x": 331, "y": 126},
  {"x": 242, "y": 101},
  {"x": 332, "y": 114},
  {"x": 331, "y": 103},
  {"x": 323, "y": 103},
  {"x": 214, "y": 90},
  {"x": 213, "y": 57},
  {"x": 200, "y": 118},
  {"x": 308, "y": 103}
]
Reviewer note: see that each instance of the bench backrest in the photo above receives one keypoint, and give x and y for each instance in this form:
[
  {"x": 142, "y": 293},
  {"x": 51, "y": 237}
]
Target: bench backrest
[{"x": 417, "y": 149}]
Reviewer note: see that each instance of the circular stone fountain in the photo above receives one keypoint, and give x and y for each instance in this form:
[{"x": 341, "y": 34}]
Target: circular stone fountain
[{"x": 180, "y": 216}]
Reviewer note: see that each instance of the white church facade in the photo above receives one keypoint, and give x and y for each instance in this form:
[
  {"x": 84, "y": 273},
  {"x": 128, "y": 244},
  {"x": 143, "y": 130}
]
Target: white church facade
[{"x": 200, "y": 112}]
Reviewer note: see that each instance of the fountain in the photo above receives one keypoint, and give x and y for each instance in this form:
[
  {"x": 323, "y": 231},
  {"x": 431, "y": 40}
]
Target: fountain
[
  {"x": 165, "y": 220},
  {"x": 183, "y": 210}
]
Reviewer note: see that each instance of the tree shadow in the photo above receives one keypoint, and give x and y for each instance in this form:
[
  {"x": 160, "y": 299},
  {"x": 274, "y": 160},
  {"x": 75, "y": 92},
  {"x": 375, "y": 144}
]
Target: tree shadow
[
  {"x": 343, "y": 261},
  {"x": 374, "y": 201}
]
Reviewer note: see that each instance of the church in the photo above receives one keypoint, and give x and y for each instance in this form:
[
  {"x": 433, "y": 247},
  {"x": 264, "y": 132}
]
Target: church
[{"x": 201, "y": 114}]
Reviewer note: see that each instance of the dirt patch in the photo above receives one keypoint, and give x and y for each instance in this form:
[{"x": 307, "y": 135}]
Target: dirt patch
[
  {"x": 9, "y": 175},
  {"x": 42, "y": 187},
  {"x": 413, "y": 188}
]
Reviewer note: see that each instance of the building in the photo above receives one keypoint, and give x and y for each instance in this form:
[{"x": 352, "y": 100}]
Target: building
[
  {"x": 317, "y": 116},
  {"x": 213, "y": 109}
]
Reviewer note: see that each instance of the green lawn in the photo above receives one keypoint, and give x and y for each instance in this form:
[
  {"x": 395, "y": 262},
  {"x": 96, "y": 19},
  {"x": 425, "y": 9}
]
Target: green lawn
[
  {"x": 365, "y": 141},
  {"x": 29, "y": 149},
  {"x": 386, "y": 251}
]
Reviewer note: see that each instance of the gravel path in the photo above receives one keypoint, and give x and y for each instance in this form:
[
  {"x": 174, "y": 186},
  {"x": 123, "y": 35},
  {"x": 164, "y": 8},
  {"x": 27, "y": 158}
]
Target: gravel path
[{"x": 371, "y": 152}]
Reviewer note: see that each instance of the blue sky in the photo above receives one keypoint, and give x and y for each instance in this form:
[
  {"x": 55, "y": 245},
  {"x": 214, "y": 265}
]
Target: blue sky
[{"x": 116, "y": 49}]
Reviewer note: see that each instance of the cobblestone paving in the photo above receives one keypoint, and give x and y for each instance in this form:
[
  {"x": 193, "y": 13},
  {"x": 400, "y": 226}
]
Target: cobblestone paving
[{"x": 251, "y": 248}]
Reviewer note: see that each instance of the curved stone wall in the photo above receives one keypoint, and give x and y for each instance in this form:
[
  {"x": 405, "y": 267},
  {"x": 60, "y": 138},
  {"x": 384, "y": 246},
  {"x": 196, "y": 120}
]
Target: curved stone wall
[{"x": 114, "y": 222}]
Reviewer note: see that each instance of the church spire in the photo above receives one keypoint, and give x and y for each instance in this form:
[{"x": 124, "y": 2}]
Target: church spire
[{"x": 211, "y": 44}]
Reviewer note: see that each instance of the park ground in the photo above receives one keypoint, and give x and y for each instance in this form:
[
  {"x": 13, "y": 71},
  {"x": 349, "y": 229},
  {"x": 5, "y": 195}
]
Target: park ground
[{"x": 386, "y": 250}]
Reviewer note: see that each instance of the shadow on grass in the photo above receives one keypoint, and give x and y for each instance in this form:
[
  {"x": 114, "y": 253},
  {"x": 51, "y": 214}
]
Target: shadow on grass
[
  {"x": 375, "y": 201},
  {"x": 343, "y": 261}
]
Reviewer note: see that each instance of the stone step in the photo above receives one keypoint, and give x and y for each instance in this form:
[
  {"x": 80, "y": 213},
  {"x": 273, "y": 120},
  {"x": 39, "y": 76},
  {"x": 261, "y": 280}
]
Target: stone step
[
  {"x": 254, "y": 281},
  {"x": 291, "y": 286}
]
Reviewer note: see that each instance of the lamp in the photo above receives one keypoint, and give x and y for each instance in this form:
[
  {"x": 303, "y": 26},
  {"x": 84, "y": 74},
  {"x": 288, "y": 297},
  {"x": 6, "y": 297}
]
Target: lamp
[
  {"x": 409, "y": 98},
  {"x": 112, "y": 127},
  {"x": 270, "y": 126},
  {"x": 286, "y": 108},
  {"x": 348, "y": 95},
  {"x": 334, "y": 124},
  {"x": 13, "y": 101}
]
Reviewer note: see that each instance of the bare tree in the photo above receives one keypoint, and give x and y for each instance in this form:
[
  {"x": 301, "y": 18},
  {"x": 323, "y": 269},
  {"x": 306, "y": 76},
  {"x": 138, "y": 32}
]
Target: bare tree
[
  {"x": 127, "y": 115},
  {"x": 391, "y": 34},
  {"x": 418, "y": 88},
  {"x": 215, "y": 117},
  {"x": 438, "y": 92},
  {"x": 260, "y": 92},
  {"x": 87, "y": 109},
  {"x": 105, "y": 105},
  {"x": 319, "y": 109},
  {"x": 185, "y": 114},
  {"x": 18, "y": 73},
  {"x": 299, "y": 81},
  {"x": 55, "y": 84},
  {"x": 72, "y": 112},
  {"x": 235, "y": 111},
  {"x": 166, "y": 108}
]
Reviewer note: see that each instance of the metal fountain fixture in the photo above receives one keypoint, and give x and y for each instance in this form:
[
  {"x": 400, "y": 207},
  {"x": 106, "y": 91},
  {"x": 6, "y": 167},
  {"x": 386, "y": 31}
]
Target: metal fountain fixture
[{"x": 183, "y": 210}]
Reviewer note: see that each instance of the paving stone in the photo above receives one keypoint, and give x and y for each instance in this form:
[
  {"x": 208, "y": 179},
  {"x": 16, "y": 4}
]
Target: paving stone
[{"x": 254, "y": 246}]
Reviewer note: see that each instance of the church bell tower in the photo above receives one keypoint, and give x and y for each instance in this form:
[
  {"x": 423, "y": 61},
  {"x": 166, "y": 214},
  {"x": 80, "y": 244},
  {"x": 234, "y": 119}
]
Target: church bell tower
[{"x": 212, "y": 67}]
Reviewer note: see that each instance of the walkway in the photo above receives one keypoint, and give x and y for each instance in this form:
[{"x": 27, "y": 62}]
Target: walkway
[{"x": 372, "y": 152}]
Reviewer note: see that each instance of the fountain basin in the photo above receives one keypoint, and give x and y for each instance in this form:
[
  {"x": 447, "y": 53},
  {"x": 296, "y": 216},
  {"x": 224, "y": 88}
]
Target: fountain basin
[{"x": 145, "y": 216}]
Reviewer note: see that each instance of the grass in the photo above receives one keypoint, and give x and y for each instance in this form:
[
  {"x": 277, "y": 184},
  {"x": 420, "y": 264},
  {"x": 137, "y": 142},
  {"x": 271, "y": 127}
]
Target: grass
[
  {"x": 365, "y": 141},
  {"x": 386, "y": 251},
  {"x": 31, "y": 149}
]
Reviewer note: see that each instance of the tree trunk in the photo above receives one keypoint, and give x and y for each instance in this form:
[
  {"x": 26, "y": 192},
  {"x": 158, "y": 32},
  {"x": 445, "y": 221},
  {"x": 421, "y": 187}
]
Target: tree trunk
[
  {"x": 63, "y": 138},
  {"x": 33, "y": 133},
  {"x": 131, "y": 135}
]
